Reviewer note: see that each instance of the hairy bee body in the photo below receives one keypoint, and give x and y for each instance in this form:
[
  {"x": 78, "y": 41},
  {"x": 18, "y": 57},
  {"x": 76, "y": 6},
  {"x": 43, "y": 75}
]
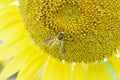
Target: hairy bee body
[{"x": 55, "y": 41}]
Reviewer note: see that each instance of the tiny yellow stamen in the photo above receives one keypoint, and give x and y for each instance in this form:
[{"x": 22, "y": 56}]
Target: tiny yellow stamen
[{"x": 91, "y": 28}]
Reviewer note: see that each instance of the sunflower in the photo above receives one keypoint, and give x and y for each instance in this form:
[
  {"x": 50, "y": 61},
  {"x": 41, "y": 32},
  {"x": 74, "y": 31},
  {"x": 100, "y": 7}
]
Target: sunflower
[{"x": 60, "y": 39}]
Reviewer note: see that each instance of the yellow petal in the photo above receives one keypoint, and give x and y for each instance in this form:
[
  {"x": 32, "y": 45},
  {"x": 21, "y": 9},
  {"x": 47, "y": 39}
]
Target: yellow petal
[
  {"x": 33, "y": 66},
  {"x": 52, "y": 72},
  {"x": 115, "y": 63},
  {"x": 9, "y": 14},
  {"x": 78, "y": 72},
  {"x": 10, "y": 44},
  {"x": 12, "y": 33},
  {"x": 11, "y": 23},
  {"x": 56, "y": 70},
  {"x": 111, "y": 70},
  {"x": 100, "y": 70},
  {"x": 5, "y": 2},
  {"x": 15, "y": 65},
  {"x": 10, "y": 49},
  {"x": 93, "y": 72},
  {"x": 67, "y": 71}
]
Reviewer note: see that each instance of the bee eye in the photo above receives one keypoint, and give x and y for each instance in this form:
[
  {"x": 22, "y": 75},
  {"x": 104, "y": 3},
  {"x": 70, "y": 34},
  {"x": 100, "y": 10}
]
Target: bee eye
[{"x": 60, "y": 36}]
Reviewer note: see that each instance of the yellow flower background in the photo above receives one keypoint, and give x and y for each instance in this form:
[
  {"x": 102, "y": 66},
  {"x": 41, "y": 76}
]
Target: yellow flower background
[{"x": 19, "y": 54}]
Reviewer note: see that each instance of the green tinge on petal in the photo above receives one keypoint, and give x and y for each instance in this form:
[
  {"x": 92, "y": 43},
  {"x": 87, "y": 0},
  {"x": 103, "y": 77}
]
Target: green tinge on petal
[
  {"x": 112, "y": 72},
  {"x": 115, "y": 64}
]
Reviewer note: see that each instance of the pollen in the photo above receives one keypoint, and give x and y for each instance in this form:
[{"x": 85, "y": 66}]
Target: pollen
[{"x": 91, "y": 27}]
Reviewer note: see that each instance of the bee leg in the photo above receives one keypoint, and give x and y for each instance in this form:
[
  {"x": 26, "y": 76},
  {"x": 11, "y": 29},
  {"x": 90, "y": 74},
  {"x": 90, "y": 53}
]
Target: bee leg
[
  {"x": 49, "y": 40},
  {"x": 51, "y": 36},
  {"x": 62, "y": 49}
]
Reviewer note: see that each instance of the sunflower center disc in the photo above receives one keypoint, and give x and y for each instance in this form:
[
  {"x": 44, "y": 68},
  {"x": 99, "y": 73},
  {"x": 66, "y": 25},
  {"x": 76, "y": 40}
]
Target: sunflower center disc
[{"x": 74, "y": 30}]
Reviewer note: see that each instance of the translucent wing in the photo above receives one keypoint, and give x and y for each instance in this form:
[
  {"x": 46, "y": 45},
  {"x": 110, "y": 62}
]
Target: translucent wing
[{"x": 48, "y": 41}]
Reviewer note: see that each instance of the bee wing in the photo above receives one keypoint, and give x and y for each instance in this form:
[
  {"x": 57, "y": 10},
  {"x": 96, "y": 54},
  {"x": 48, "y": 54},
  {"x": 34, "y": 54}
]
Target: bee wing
[
  {"x": 63, "y": 51},
  {"x": 48, "y": 41}
]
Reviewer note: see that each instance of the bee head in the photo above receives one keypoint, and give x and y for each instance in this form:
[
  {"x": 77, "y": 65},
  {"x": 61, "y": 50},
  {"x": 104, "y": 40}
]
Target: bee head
[{"x": 60, "y": 35}]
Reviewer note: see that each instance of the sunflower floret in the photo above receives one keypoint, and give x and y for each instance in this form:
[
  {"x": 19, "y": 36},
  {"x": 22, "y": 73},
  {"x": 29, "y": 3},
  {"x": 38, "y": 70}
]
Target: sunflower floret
[{"x": 92, "y": 28}]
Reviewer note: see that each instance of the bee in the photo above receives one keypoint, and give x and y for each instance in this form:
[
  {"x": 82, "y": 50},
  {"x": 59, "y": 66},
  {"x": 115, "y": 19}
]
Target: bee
[{"x": 57, "y": 40}]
